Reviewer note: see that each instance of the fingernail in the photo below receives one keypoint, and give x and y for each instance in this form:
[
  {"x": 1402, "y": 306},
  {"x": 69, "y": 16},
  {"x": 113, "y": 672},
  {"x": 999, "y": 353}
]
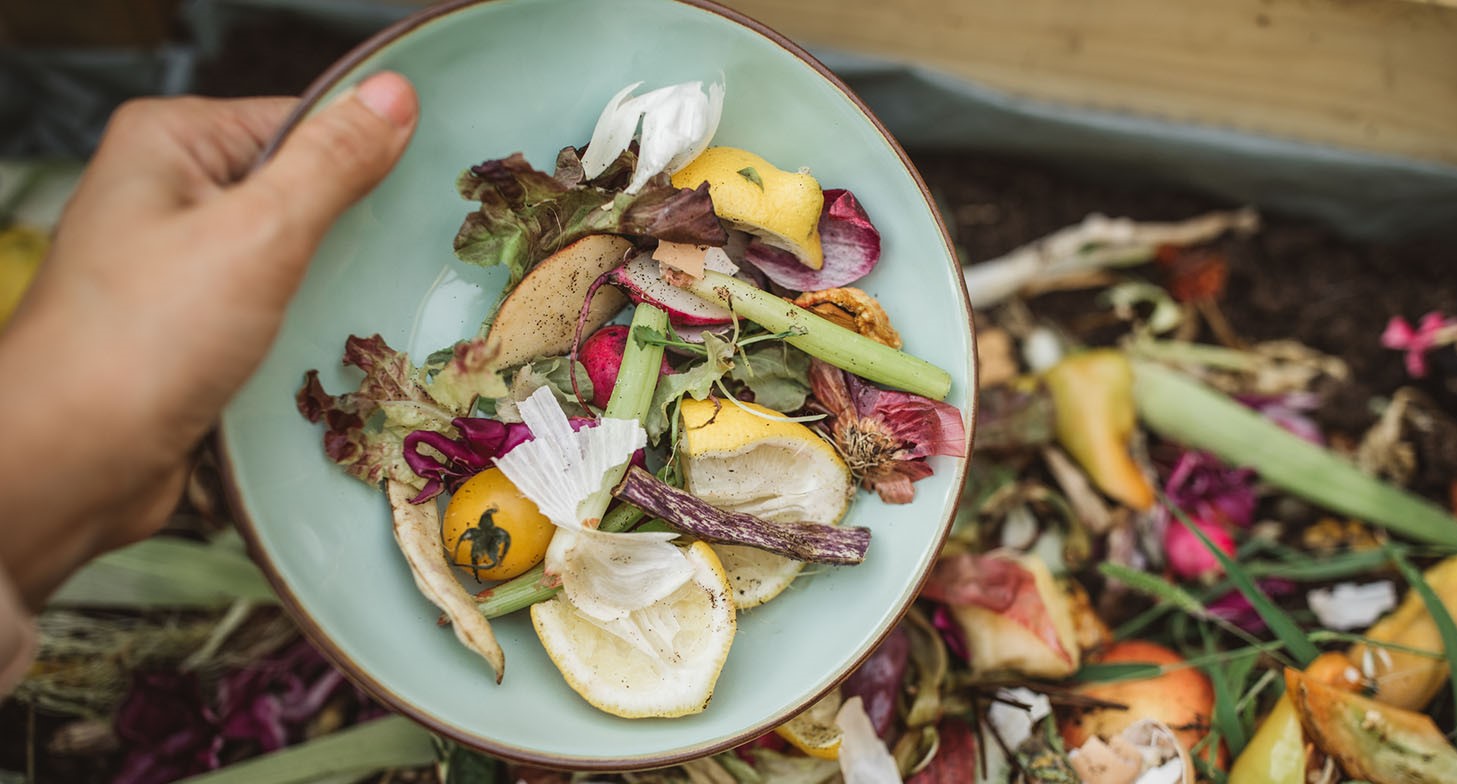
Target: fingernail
[{"x": 390, "y": 96}]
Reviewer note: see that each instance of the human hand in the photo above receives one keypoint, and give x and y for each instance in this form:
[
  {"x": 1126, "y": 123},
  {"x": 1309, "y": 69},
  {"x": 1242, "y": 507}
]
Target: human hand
[{"x": 166, "y": 284}]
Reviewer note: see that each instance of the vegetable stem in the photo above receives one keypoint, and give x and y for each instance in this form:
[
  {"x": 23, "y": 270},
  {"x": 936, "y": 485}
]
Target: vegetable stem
[
  {"x": 1179, "y": 408},
  {"x": 823, "y": 339}
]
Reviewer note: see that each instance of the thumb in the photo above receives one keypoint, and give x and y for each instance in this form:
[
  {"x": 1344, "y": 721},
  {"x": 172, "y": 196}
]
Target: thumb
[{"x": 339, "y": 154}]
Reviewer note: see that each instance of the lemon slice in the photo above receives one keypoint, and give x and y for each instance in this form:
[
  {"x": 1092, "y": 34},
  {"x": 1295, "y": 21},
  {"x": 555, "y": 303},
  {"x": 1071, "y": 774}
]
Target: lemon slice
[
  {"x": 761, "y": 465},
  {"x": 781, "y": 207},
  {"x": 662, "y": 660},
  {"x": 814, "y": 731}
]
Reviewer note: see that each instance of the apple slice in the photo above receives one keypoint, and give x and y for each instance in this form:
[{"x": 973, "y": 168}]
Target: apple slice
[{"x": 539, "y": 317}]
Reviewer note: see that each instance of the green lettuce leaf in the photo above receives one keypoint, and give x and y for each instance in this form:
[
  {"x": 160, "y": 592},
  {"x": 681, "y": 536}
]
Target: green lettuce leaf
[
  {"x": 696, "y": 381},
  {"x": 548, "y": 372},
  {"x": 526, "y": 215},
  {"x": 777, "y": 373}
]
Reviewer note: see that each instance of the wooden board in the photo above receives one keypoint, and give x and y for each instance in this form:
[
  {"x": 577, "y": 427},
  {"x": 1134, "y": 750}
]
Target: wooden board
[{"x": 1376, "y": 75}]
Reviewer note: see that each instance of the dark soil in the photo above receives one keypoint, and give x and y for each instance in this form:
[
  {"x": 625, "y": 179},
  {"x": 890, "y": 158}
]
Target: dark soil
[{"x": 1293, "y": 280}]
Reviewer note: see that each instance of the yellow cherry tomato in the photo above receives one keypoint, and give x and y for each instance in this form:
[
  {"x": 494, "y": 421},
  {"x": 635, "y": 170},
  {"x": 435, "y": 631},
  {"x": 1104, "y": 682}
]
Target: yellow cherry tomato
[{"x": 491, "y": 526}]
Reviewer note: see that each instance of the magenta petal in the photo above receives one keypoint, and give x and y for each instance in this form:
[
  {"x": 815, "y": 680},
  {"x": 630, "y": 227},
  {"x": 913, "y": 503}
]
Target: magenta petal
[
  {"x": 950, "y": 632},
  {"x": 930, "y": 427},
  {"x": 1187, "y": 554},
  {"x": 1398, "y": 333},
  {"x": 851, "y": 249}
]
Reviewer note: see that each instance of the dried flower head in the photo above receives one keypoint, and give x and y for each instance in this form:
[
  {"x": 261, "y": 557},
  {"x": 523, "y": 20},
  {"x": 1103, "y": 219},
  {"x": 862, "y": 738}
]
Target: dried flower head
[{"x": 885, "y": 436}]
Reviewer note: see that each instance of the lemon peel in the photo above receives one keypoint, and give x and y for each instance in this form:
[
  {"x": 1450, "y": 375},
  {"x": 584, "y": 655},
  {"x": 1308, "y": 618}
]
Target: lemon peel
[
  {"x": 814, "y": 731},
  {"x": 751, "y": 460},
  {"x": 662, "y": 660},
  {"x": 780, "y": 207}
]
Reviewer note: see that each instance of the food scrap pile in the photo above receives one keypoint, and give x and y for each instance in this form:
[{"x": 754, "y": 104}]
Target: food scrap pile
[{"x": 1158, "y": 367}]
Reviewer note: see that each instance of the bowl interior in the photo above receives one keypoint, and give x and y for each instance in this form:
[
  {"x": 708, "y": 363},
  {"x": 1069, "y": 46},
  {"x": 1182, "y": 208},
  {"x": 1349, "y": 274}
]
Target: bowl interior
[{"x": 531, "y": 76}]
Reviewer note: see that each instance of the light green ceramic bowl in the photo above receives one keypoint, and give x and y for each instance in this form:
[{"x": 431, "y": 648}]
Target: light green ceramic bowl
[{"x": 531, "y": 76}]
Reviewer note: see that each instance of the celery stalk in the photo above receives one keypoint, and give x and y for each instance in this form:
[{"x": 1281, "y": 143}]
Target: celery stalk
[
  {"x": 632, "y": 395},
  {"x": 637, "y": 378},
  {"x": 824, "y": 339}
]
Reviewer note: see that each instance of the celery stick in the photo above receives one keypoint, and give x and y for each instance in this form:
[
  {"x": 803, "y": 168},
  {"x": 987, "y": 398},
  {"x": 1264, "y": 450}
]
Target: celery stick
[
  {"x": 637, "y": 377},
  {"x": 824, "y": 339},
  {"x": 632, "y": 395}
]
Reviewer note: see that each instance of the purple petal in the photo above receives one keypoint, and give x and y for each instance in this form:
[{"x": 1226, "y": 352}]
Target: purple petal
[
  {"x": 851, "y": 249},
  {"x": 877, "y": 681}
]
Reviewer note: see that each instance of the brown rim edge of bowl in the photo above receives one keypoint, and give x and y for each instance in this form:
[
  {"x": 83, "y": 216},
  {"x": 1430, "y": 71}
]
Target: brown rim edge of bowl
[{"x": 310, "y": 97}]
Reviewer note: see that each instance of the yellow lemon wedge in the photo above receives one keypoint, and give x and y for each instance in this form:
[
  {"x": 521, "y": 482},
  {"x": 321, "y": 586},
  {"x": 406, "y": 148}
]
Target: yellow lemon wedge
[
  {"x": 662, "y": 660},
  {"x": 814, "y": 731},
  {"x": 754, "y": 461},
  {"x": 782, "y": 208}
]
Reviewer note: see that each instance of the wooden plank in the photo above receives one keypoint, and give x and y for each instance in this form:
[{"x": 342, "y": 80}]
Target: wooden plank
[{"x": 1373, "y": 75}]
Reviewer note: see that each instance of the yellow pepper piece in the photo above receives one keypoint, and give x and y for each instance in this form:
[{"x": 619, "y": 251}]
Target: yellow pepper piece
[
  {"x": 1406, "y": 680},
  {"x": 1276, "y": 754},
  {"x": 1092, "y": 395},
  {"x": 1371, "y": 741}
]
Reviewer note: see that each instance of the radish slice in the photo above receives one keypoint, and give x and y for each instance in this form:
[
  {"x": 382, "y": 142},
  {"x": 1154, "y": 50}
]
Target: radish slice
[
  {"x": 643, "y": 281},
  {"x": 851, "y": 246}
]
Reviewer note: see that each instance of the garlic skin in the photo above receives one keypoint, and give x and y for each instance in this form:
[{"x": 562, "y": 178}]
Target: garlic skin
[{"x": 678, "y": 122}]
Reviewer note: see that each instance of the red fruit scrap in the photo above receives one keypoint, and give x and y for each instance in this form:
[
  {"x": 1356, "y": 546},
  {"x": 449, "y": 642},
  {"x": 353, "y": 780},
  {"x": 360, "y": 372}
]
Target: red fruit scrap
[
  {"x": 955, "y": 761},
  {"x": 601, "y": 354},
  {"x": 1000, "y": 584}
]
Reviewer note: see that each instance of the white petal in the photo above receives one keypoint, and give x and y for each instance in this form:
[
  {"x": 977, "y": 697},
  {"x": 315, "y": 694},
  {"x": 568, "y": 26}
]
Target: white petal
[
  {"x": 613, "y": 133},
  {"x": 863, "y": 756},
  {"x": 608, "y": 576},
  {"x": 677, "y": 120},
  {"x": 1352, "y": 606},
  {"x": 559, "y": 469},
  {"x": 1014, "y": 724},
  {"x": 715, "y": 113}
]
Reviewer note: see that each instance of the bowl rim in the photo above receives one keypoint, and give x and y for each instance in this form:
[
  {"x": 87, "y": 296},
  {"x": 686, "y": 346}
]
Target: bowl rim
[{"x": 398, "y": 703}]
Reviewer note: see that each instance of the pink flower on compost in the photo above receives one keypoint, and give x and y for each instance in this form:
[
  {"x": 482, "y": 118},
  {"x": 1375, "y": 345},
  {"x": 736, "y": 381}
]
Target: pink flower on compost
[
  {"x": 1432, "y": 331},
  {"x": 1188, "y": 556}
]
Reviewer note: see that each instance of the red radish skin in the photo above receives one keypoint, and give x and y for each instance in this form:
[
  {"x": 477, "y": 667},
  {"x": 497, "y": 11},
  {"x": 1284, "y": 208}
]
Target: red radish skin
[
  {"x": 601, "y": 355},
  {"x": 642, "y": 282}
]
